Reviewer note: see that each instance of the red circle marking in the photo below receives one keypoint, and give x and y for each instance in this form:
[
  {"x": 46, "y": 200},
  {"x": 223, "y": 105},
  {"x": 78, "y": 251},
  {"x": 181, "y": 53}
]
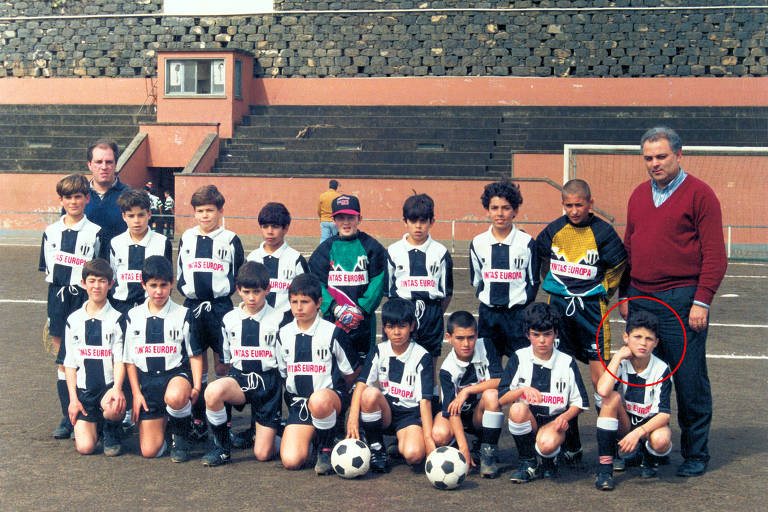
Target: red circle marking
[{"x": 685, "y": 341}]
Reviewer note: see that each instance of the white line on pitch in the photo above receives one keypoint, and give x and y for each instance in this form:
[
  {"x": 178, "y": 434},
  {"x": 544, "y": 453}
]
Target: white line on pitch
[
  {"x": 22, "y": 301},
  {"x": 747, "y": 277},
  {"x": 733, "y": 356},
  {"x": 747, "y": 326}
]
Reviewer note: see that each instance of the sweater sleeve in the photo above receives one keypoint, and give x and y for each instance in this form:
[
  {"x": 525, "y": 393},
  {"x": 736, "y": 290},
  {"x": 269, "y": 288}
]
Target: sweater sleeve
[{"x": 709, "y": 225}]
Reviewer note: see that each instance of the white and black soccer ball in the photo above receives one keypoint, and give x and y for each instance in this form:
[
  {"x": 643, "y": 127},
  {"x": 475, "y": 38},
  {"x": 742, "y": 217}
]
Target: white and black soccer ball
[
  {"x": 446, "y": 467},
  {"x": 351, "y": 458}
]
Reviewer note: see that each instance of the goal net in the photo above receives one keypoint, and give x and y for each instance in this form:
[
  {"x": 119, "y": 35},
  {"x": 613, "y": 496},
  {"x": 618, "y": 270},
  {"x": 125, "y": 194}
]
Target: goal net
[{"x": 738, "y": 175}]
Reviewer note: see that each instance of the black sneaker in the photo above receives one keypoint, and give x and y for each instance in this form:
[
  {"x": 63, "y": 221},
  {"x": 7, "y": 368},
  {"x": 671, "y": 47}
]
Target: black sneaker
[
  {"x": 379, "y": 462},
  {"x": 393, "y": 452},
  {"x": 64, "y": 430},
  {"x": 323, "y": 464},
  {"x": 488, "y": 466},
  {"x": 632, "y": 460},
  {"x": 199, "y": 431},
  {"x": 243, "y": 439},
  {"x": 526, "y": 472},
  {"x": 604, "y": 482},
  {"x": 216, "y": 457},
  {"x": 474, "y": 452},
  {"x": 548, "y": 467},
  {"x": 572, "y": 459},
  {"x": 112, "y": 446},
  {"x": 180, "y": 449}
]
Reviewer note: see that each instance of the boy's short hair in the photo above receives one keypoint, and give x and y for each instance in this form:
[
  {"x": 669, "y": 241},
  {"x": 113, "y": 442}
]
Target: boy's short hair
[
  {"x": 132, "y": 198},
  {"x": 505, "y": 190},
  {"x": 462, "y": 319},
  {"x": 643, "y": 319},
  {"x": 73, "y": 184},
  {"x": 156, "y": 267},
  {"x": 252, "y": 275},
  {"x": 98, "y": 267},
  {"x": 398, "y": 311},
  {"x": 541, "y": 317},
  {"x": 306, "y": 284},
  {"x": 333, "y": 184},
  {"x": 418, "y": 207},
  {"x": 275, "y": 214},
  {"x": 207, "y": 194},
  {"x": 102, "y": 143},
  {"x": 577, "y": 187}
]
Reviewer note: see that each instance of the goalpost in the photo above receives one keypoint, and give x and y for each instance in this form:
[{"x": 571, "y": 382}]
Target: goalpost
[{"x": 738, "y": 175}]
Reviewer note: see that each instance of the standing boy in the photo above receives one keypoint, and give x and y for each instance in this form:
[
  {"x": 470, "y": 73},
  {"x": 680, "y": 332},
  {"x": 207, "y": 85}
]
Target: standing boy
[
  {"x": 546, "y": 392},
  {"x": 94, "y": 364},
  {"x": 394, "y": 391},
  {"x": 129, "y": 249},
  {"x": 250, "y": 335},
  {"x": 469, "y": 378},
  {"x": 208, "y": 261},
  {"x": 67, "y": 245},
  {"x": 582, "y": 262},
  {"x": 504, "y": 270},
  {"x": 164, "y": 364},
  {"x": 635, "y": 402},
  {"x": 318, "y": 364},
  {"x": 352, "y": 268},
  {"x": 421, "y": 270}
]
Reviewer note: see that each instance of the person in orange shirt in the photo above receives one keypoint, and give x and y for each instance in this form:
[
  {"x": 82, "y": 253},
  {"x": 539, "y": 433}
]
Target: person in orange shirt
[{"x": 327, "y": 227}]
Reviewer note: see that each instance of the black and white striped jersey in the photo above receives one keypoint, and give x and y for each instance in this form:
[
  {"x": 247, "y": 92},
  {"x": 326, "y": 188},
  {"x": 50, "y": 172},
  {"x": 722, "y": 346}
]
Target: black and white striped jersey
[
  {"x": 250, "y": 341},
  {"x": 557, "y": 379},
  {"x": 317, "y": 358},
  {"x": 504, "y": 273},
  {"x": 456, "y": 374},
  {"x": 94, "y": 344},
  {"x": 65, "y": 250},
  {"x": 126, "y": 258},
  {"x": 208, "y": 264},
  {"x": 419, "y": 272},
  {"x": 643, "y": 401},
  {"x": 403, "y": 379},
  {"x": 284, "y": 264},
  {"x": 162, "y": 342}
]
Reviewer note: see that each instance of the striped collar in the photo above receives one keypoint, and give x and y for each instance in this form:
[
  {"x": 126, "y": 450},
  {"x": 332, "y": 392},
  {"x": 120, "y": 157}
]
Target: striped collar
[{"x": 662, "y": 194}]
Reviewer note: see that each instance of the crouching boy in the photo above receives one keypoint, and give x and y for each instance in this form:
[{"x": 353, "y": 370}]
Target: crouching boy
[
  {"x": 94, "y": 364},
  {"x": 394, "y": 391},
  {"x": 469, "y": 379},
  {"x": 635, "y": 391},
  {"x": 164, "y": 364},
  {"x": 546, "y": 392}
]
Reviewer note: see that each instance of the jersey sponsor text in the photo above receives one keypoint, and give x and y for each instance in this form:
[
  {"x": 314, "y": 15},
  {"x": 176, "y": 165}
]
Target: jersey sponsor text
[
  {"x": 574, "y": 270},
  {"x": 502, "y": 276},
  {"x": 637, "y": 409},
  {"x": 336, "y": 277},
  {"x": 65, "y": 258},
  {"x": 205, "y": 264},
  {"x": 95, "y": 352},
  {"x": 307, "y": 369},
  {"x": 416, "y": 284},
  {"x": 153, "y": 349},
  {"x": 253, "y": 353},
  {"x": 132, "y": 276},
  {"x": 395, "y": 390}
]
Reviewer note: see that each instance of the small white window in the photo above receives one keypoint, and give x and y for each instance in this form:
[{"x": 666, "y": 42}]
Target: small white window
[{"x": 195, "y": 76}]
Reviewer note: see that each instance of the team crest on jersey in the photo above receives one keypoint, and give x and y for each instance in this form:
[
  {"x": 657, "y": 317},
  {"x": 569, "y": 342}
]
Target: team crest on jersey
[
  {"x": 481, "y": 370},
  {"x": 287, "y": 273},
  {"x": 174, "y": 334},
  {"x": 362, "y": 263},
  {"x": 409, "y": 380},
  {"x": 652, "y": 392},
  {"x": 434, "y": 268},
  {"x": 591, "y": 258},
  {"x": 222, "y": 253},
  {"x": 322, "y": 353},
  {"x": 270, "y": 338},
  {"x": 560, "y": 386},
  {"x": 518, "y": 262},
  {"x": 84, "y": 249},
  {"x": 109, "y": 337}
]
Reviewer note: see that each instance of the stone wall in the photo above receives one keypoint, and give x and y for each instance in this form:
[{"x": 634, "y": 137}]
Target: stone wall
[{"x": 544, "y": 42}]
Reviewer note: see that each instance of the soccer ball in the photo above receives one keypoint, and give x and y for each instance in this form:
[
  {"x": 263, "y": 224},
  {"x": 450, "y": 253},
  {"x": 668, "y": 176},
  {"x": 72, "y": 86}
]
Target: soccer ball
[
  {"x": 446, "y": 467},
  {"x": 350, "y": 458}
]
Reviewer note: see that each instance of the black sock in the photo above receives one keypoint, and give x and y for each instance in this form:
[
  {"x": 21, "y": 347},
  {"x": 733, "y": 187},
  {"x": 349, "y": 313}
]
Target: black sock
[
  {"x": 112, "y": 428},
  {"x": 606, "y": 448},
  {"x": 490, "y": 435},
  {"x": 525, "y": 445},
  {"x": 198, "y": 408},
  {"x": 61, "y": 389},
  {"x": 324, "y": 438},
  {"x": 228, "y": 408},
  {"x": 221, "y": 436},
  {"x": 572, "y": 441},
  {"x": 374, "y": 432},
  {"x": 179, "y": 426}
]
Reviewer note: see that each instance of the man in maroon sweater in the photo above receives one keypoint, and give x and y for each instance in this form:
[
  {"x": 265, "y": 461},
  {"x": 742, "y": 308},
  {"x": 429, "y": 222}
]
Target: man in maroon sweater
[{"x": 676, "y": 254}]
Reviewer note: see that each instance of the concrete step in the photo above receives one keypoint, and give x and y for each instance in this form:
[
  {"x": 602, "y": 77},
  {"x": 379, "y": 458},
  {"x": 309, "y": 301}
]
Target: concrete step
[
  {"x": 73, "y": 119},
  {"x": 372, "y": 121},
  {"x": 44, "y": 164},
  {"x": 289, "y": 168},
  {"x": 383, "y": 110},
  {"x": 368, "y": 157},
  {"x": 392, "y": 133},
  {"x": 78, "y": 109},
  {"x": 84, "y": 130},
  {"x": 265, "y": 144}
]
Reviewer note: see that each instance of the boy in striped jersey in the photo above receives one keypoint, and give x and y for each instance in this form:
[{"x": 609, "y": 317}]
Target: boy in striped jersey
[
  {"x": 421, "y": 271},
  {"x": 635, "y": 390},
  {"x": 545, "y": 389},
  {"x": 318, "y": 364},
  {"x": 250, "y": 335},
  {"x": 67, "y": 245},
  {"x": 504, "y": 270},
  {"x": 94, "y": 364}
]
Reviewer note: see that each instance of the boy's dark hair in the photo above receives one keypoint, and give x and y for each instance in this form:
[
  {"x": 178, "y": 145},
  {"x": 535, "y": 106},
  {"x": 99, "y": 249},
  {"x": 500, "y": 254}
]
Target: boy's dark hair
[
  {"x": 157, "y": 267},
  {"x": 462, "y": 319},
  {"x": 98, "y": 267},
  {"x": 73, "y": 184},
  {"x": 540, "y": 316},
  {"x": 419, "y": 207},
  {"x": 132, "y": 198},
  {"x": 306, "y": 284},
  {"x": 643, "y": 319},
  {"x": 207, "y": 194},
  {"x": 102, "y": 143},
  {"x": 503, "y": 189},
  {"x": 333, "y": 184},
  {"x": 577, "y": 187},
  {"x": 398, "y": 311},
  {"x": 275, "y": 214},
  {"x": 252, "y": 275}
]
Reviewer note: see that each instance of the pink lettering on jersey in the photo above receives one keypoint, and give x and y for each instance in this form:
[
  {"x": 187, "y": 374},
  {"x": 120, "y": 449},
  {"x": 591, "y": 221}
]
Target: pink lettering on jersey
[
  {"x": 307, "y": 369},
  {"x": 395, "y": 390},
  {"x": 637, "y": 409},
  {"x": 547, "y": 399},
  {"x": 252, "y": 353},
  {"x": 278, "y": 285},
  {"x": 572, "y": 269},
  {"x": 132, "y": 276},
  {"x": 207, "y": 265},
  {"x": 64, "y": 258},
  {"x": 502, "y": 275}
]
